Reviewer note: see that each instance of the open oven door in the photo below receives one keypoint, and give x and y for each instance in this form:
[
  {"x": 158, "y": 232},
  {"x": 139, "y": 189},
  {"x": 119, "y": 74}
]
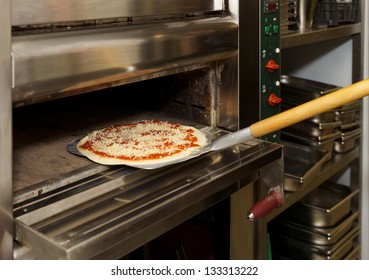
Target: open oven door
[{"x": 106, "y": 212}]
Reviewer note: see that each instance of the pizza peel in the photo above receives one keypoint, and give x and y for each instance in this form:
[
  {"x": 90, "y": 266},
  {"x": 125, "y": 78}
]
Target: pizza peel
[
  {"x": 289, "y": 117},
  {"x": 292, "y": 116}
]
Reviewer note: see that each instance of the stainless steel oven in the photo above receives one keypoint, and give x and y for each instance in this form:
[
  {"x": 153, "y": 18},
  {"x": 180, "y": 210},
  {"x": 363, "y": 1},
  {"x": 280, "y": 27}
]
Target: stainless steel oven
[{"x": 72, "y": 67}]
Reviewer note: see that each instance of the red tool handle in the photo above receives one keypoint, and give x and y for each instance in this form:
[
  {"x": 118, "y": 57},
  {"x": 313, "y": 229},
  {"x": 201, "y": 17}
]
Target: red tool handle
[{"x": 265, "y": 206}]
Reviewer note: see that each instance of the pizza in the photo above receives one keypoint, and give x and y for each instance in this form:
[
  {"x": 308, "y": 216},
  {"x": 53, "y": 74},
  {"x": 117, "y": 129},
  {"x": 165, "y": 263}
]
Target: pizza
[{"x": 147, "y": 143}]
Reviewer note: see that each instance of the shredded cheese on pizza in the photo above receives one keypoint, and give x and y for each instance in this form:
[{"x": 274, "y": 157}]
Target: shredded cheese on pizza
[{"x": 144, "y": 140}]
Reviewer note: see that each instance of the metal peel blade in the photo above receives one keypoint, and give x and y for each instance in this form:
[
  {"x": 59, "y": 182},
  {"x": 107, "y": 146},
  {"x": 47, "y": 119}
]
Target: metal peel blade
[{"x": 231, "y": 139}]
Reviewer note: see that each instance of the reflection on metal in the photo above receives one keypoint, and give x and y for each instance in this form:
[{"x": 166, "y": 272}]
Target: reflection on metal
[
  {"x": 67, "y": 63},
  {"x": 55, "y": 11},
  {"x": 6, "y": 190},
  {"x": 133, "y": 206}
]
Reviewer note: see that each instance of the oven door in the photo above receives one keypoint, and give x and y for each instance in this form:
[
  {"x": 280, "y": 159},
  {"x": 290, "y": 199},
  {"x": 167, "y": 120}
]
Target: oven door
[{"x": 106, "y": 212}]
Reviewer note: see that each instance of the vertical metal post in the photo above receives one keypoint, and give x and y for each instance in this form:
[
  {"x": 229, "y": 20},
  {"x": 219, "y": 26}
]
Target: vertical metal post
[
  {"x": 364, "y": 209},
  {"x": 6, "y": 188}
]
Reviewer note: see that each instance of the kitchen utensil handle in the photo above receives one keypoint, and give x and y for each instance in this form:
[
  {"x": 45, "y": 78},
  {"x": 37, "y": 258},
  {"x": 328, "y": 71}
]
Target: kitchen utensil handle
[
  {"x": 265, "y": 206},
  {"x": 309, "y": 109}
]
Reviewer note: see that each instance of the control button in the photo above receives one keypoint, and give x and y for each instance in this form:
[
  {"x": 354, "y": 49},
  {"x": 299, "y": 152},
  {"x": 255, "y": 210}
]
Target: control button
[
  {"x": 277, "y": 83},
  {"x": 272, "y": 66},
  {"x": 277, "y": 50},
  {"x": 274, "y": 100},
  {"x": 275, "y": 28},
  {"x": 267, "y": 29}
]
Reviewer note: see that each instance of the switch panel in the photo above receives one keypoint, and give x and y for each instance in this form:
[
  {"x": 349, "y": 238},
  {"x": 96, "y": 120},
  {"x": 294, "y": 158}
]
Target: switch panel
[{"x": 270, "y": 96}]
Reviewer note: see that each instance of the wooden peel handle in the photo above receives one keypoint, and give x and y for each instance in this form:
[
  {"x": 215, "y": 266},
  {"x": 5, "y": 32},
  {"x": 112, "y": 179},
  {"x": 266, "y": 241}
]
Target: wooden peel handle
[{"x": 309, "y": 109}]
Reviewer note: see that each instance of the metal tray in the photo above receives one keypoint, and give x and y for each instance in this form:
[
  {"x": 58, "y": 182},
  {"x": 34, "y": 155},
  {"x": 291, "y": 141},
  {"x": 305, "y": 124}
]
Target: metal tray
[
  {"x": 319, "y": 236},
  {"x": 355, "y": 105},
  {"x": 291, "y": 248},
  {"x": 350, "y": 134},
  {"x": 350, "y": 126},
  {"x": 347, "y": 117},
  {"x": 326, "y": 206},
  {"x": 302, "y": 163},
  {"x": 326, "y": 144},
  {"x": 309, "y": 129},
  {"x": 347, "y": 142},
  {"x": 304, "y": 89},
  {"x": 354, "y": 254}
]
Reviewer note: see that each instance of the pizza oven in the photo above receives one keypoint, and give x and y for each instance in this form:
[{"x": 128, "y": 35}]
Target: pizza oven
[{"x": 78, "y": 66}]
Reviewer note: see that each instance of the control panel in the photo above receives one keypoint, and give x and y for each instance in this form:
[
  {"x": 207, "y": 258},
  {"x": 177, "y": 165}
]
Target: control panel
[{"x": 270, "y": 72}]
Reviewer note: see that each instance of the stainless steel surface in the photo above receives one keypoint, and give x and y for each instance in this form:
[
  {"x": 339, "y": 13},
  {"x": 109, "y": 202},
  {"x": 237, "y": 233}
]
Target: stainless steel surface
[
  {"x": 227, "y": 103},
  {"x": 350, "y": 134},
  {"x": 305, "y": 11},
  {"x": 66, "y": 63},
  {"x": 294, "y": 249},
  {"x": 348, "y": 116},
  {"x": 354, "y": 254},
  {"x": 310, "y": 129},
  {"x": 303, "y": 90},
  {"x": 324, "y": 144},
  {"x": 302, "y": 165},
  {"x": 300, "y": 38},
  {"x": 6, "y": 191},
  {"x": 351, "y": 126},
  {"x": 46, "y": 11},
  {"x": 326, "y": 206},
  {"x": 351, "y": 106},
  {"x": 112, "y": 213},
  {"x": 338, "y": 163},
  {"x": 313, "y": 235},
  {"x": 272, "y": 184},
  {"x": 231, "y": 139},
  {"x": 169, "y": 43},
  {"x": 344, "y": 146}
]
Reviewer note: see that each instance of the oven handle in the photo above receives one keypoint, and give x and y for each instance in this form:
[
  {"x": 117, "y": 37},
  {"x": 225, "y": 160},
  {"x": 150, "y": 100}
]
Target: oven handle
[{"x": 266, "y": 205}]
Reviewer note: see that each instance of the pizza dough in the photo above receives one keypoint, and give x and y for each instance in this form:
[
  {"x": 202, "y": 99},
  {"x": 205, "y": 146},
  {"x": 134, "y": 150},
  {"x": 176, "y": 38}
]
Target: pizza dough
[{"x": 144, "y": 144}]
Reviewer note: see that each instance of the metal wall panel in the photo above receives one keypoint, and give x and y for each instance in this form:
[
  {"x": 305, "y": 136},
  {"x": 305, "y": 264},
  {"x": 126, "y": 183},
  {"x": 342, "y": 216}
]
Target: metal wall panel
[{"x": 6, "y": 190}]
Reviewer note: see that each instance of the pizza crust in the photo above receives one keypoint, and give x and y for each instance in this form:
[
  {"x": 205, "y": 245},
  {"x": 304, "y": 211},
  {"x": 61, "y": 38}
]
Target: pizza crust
[{"x": 188, "y": 152}]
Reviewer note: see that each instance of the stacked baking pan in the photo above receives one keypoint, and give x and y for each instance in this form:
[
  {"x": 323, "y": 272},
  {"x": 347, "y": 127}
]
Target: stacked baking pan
[
  {"x": 349, "y": 116},
  {"x": 334, "y": 130},
  {"x": 320, "y": 226},
  {"x": 319, "y": 131},
  {"x": 302, "y": 164},
  {"x": 316, "y": 139}
]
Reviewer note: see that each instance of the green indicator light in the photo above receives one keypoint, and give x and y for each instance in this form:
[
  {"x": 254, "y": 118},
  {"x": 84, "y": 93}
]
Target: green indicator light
[
  {"x": 275, "y": 29},
  {"x": 267, "y": 29}
]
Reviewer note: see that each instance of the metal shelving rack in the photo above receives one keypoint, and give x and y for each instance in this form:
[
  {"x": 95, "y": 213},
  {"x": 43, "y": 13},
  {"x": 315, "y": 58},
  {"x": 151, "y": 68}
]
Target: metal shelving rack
[{"x": 339, "y": 162}]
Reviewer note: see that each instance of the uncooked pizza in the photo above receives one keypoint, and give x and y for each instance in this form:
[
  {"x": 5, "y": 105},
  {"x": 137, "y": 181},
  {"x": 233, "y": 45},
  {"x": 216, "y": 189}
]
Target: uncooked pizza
[{"x": 142, "y": 144}]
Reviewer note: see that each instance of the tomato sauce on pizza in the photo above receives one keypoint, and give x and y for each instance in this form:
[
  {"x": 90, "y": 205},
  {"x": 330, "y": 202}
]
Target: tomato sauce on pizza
[{"x": 146, "y": 140}]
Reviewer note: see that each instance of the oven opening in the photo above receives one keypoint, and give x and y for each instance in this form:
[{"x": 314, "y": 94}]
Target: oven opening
[
  {"x": 63, "y": 202},
  {"x": 42, "y": 131}
]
